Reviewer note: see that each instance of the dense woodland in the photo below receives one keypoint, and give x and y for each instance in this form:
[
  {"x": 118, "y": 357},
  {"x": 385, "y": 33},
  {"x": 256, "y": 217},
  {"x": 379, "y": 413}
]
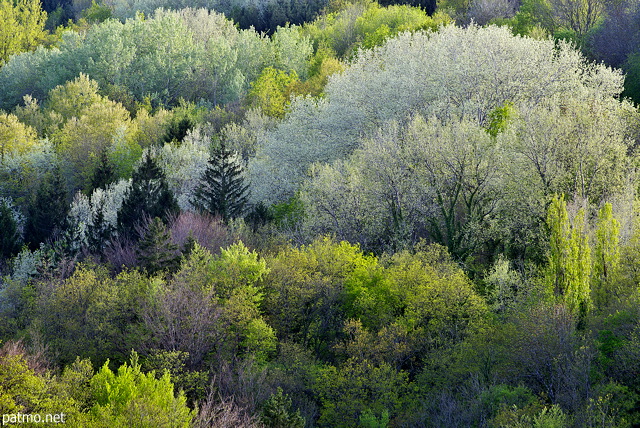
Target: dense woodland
[{"x": 290, "y": 213}]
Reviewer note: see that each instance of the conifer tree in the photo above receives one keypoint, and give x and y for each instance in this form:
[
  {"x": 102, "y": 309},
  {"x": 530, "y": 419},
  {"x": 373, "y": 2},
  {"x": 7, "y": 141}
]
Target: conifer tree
[
  {"x": 48, "y": 209},
  {"x": 278, "y": 412},
  {"x": 104, "y": 173},
  {"x": 148, "y": 197},
  {"x": 99, "y": 230},
  {"x": 9, "y": 231},
  {"x": 222, "y": 190},
  {"x": 155, "y": 250}
]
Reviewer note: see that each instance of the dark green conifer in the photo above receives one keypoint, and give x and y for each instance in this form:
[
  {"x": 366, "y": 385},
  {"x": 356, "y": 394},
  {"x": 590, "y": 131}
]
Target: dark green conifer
[
  {"x": 99, "y": 232},
  {"x": 278, "y": 412},
  {"x": 48, "y": 209},
  {"x": 9, "y": 231},
  {"x": 155, "y": 250},
  {"x": 104, "y": 173},
  {"x": 222, "y": 191},
  {"x": 148, "y": 197}
]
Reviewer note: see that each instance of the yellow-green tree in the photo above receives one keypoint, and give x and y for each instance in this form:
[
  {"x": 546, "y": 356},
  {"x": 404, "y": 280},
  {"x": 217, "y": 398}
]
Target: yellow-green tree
[
  {"x": 270, "y": 92},
  {"x": 569, "y": 270},
  {"x": 15, "y": 137},
  {"x": 606, "y": 257},
  {"x": 21, "y": 27},
  {"x": 132, "y": 398},
  {"x": 89, "y": 124}
]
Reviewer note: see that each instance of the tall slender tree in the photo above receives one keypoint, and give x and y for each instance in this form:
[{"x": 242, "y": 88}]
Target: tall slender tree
[
  {"x": 148, "y": 197},
  {"x": 222, "y": 190},
  {"x": 569, "y": 258},
  {"x": 48, "y": 209},
  {"x": 104, "y": 173},
  {"x": 10, "y": 236}
]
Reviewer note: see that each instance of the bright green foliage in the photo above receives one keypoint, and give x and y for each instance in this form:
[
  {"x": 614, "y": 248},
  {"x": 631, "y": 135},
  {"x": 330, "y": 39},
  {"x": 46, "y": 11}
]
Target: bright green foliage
[
  {"x": 499, "y": 118},
  {"x": 15, "y": 137},
  {"x": 378, "y": 23},
  {"x": 270, "y": 92},
  {"x": 369, "y": 420},
  {"x": 347, "y": 391},
  {"x": 222, "y": 191},
  {"x": 73, "y": 98},
  {"x": 23, "y": 390},
  {"x": 440, "y": 306},
  {"x": 237, "y": 266},
  {"x": 155, "y": 250},
  {"x": 569, "y": 258},
  {"x": 278, "y": 413},
  {"x": 321, "y": 66},
  {"x": 135, "y": 399},
  {"x": 419, "y": 302},
  {"x": 21, "y": 27},
  {"x": 303, "y": 292},
  {"x": 606, "y": 256}
]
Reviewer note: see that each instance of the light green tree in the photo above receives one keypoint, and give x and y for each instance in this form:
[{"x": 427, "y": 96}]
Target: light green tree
[
  {"x": 606, "y": 256},
  {"x": 569, "y": 269},
  {"x": 21, "y": 27},
  {"x": 15, "y": 137},
  {"x": 132, "y": 398}
]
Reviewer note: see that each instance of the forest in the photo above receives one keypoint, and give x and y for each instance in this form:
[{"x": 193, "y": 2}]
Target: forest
[{"x": 320, "y": 213}]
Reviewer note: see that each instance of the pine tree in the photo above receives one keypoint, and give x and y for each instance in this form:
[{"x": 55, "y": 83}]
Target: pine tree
[
  {"x": 155, "y": 250},
  {"x": 278, "y": 412},
  {"x": 99, "y": 231},
  {"x": 222, "y": 190},
  {"x": 9, "y": 232},
  {"x": 48, "y": 209},
  {"x": 148, "y": 197},
  {"x": 104, "y": 173}
]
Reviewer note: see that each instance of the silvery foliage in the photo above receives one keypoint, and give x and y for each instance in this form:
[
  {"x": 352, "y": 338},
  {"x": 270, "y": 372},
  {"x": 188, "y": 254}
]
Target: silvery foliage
[
  {"x": 456, "y": 184},
  {"x": 195, "y": 54},
  {"x": 184, "y": 164},
  {"x": 243, "y": 137},
  {"x": 84, "y": 212},
  {"x": 23, "y": 171},
  {"x": 449, "y": 74},
  {"x": 406, "y": 180},
  {"x": 26, "y": 264},
  {"x": 18, "y": 217}
]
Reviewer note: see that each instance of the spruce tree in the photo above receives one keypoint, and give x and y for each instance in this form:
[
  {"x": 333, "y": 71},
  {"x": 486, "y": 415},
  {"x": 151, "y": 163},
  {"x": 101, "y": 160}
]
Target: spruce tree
[
  {"x": 155, "y": 250},
  {"x": 148, "y": 197},
  {"x": 104, "y": 173},
  {"x": 9, "y": 231},
  {"x": 99, "y": 231},
  {"x": 222, "y": 190},
  {"x": 48, "y": 209}
]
